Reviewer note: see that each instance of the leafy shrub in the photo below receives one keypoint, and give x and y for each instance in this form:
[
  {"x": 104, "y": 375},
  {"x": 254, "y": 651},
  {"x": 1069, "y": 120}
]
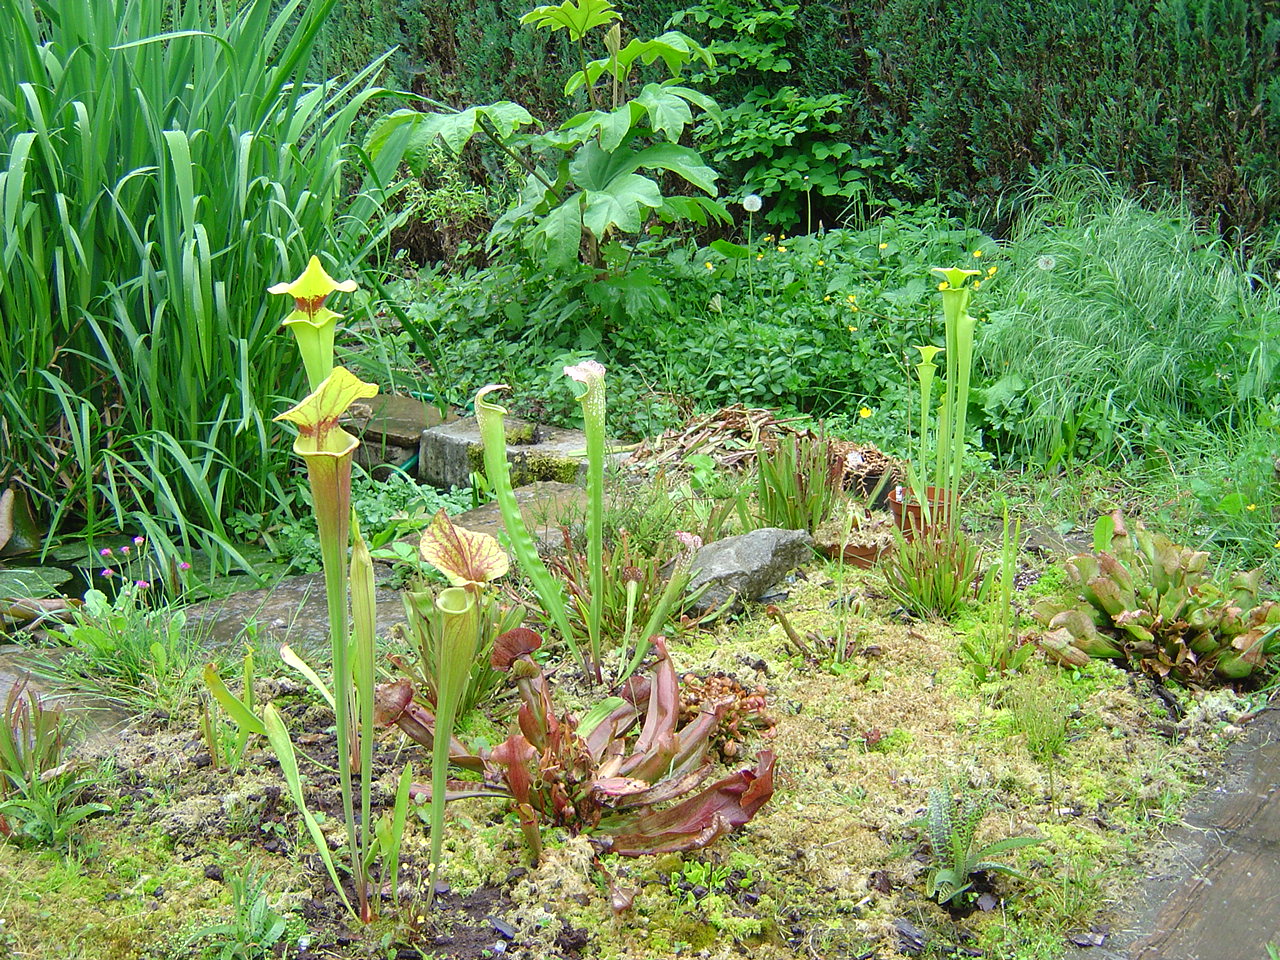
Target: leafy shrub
[
  {"x": 386, "y": 509},
  {"x": 598, "y": 176},
  {"x": 827, "y": 329},
  {"x": 1184, "y": 99},
  {"x": 1010, "y": 74}
]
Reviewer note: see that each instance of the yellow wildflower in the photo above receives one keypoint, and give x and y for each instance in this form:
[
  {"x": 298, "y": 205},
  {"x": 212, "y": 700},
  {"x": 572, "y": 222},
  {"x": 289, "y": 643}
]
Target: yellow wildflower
[
  {"x": 977, "y": 253},
  {"x": 884, "y": 246},
  {"x": 865, "y": 412},
  {"x": 782, "y": 249},
  {"x": 759, "y": 256},
  {"x": 977, "y": 284},
  {"x": 1252, "y": 506},
  {"x": 709, "y": 265},
  {"x": 822, "y": 263},
  {"x": 991, "y": 270},
  {"x": 943, "y": 285}
]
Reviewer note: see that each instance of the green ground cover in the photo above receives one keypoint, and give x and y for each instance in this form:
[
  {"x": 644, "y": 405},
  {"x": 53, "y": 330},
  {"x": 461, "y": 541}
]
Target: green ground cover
[{"x": 974, "y": 743}]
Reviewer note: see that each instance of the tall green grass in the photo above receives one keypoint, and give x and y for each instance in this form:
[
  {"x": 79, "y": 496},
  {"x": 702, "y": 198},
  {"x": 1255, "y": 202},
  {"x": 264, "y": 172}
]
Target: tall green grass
[
  {"x": 1122, "y": 329},
  {"x": 161, "y": 163}
]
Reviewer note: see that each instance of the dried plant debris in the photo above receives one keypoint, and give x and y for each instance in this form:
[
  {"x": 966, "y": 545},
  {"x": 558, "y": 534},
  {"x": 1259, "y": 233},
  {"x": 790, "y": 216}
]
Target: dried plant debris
[{"x": 731, "y": 435}]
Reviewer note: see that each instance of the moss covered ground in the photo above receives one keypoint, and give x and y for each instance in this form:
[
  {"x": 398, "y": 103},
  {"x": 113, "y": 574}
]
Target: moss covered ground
[{"x": 835, "y": 865}]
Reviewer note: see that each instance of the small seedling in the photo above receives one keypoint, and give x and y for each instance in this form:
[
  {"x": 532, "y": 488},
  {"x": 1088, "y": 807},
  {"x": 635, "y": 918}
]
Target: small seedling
[{"x": 952, "y": 822}]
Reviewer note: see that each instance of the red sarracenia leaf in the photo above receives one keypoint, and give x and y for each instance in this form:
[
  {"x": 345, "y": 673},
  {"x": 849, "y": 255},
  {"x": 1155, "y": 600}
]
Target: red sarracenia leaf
[
  {"x": 393, "y": 704},
  {"x": 511, "y": 646},
  {"x": 664, "y": 703},
  {"x": 696, "y": 822}
]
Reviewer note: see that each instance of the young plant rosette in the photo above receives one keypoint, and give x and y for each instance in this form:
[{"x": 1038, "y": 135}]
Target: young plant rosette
[{"x": 624, "y": 773}]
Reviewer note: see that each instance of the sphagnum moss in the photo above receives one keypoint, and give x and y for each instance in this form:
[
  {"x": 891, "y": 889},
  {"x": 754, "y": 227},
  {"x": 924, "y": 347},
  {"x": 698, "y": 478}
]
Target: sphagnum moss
[{"x": 832, "y": 853}]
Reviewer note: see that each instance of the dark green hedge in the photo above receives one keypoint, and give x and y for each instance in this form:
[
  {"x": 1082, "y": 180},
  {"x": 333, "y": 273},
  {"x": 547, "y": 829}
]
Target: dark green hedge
[
  {"x": 1179, "y": 94},
  {"x": 968, "y": 96}
]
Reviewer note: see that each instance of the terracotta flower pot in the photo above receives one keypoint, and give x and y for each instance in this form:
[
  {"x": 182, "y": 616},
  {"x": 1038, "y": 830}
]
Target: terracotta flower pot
[
  {"x": 907, "y": 514},
  {"x": 859, "y": 555}
]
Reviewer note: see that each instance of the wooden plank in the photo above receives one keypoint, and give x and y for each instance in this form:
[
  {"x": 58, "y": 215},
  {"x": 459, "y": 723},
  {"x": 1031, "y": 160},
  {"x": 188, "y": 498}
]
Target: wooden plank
[{"x": 1230, "y": 906}]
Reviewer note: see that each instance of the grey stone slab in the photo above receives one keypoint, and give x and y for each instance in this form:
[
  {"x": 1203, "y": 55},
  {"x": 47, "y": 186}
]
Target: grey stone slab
[
  {"x": 292, "y": 611},
  {"x": 393, "y": 419},
  {"x": 749, "y": 565},
  {"x": 545, "y": 505},
  {"x": 450, "y": 452}
]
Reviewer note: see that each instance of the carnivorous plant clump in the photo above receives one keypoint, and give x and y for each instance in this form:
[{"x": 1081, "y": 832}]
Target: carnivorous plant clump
[
  {"x": 1150, "y": 602},
  {"x": 588, "y": 773}
]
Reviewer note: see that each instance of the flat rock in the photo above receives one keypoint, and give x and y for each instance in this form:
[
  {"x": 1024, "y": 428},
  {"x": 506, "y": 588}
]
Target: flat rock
[
  {"x": 292, "y": 611},
  {"x": 546, "y": 507},
  {"x": 392, "y": 419},
  {"x": 450, "y": 452},
  {"x": 94, "y": 718},
  {"x": 748, "y": 565}
]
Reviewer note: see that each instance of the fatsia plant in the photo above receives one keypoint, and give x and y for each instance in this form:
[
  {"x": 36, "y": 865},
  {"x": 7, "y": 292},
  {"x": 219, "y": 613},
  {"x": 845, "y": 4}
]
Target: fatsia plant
[
  {"x": 599, "y": 173},
  {"x": 1148, "y": 601},
  {"x": 596, "y": 773}
]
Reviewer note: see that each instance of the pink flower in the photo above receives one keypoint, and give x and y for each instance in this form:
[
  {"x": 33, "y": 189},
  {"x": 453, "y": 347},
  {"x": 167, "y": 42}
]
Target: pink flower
[
  {"x": 141, "y": 583},
  {"x": 104, "y": 552},
  {"x": 184, "y": 565},
  {"x": 107, "y": 572},
  {"x": 690, "y": 541},
  {"x": 139, "y": 540},
  {"x": 124, "y": 550}
]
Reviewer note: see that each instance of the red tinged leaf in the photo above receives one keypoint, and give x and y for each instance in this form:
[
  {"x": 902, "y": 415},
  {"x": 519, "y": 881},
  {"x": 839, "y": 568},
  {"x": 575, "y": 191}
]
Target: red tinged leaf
[
  {"x": 664, "y": 703},
  {"x": 608, "y": 730},
  {"x": 519, "y": 761},
  {"x": 665, "y": 790},
  {"x": 721, "y": 808},
  {"x": 393, "y": 705},
  {"x": 462, "y": 555},
  {"x": 456, "y": 790},
  {"x": 511, "y": 646}
]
